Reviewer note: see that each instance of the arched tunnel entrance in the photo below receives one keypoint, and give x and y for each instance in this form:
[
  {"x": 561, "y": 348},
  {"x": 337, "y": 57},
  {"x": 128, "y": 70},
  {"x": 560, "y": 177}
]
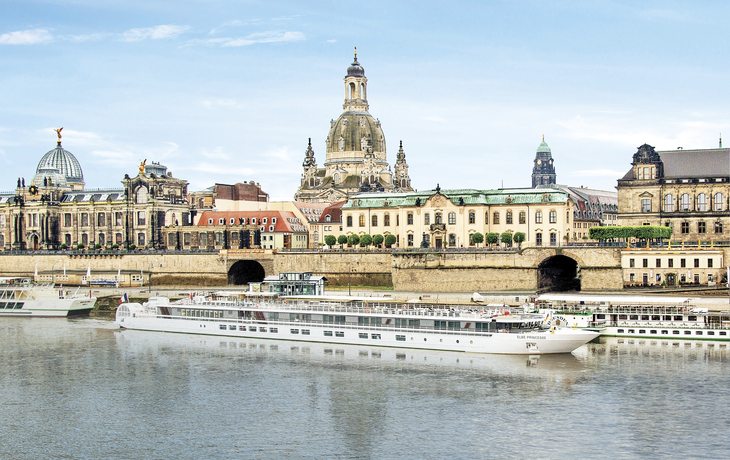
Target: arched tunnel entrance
[
  {"x": 558, "y": 273},
  {"x": 246, "y": 271}
]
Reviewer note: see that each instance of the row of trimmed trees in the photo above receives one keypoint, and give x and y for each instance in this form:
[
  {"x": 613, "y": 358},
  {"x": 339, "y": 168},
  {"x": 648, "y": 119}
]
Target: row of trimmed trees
[
  {"x": 494, "y": 238},
  {"x": 362, "y": 241},
  {"x": 644, "y": 232}
]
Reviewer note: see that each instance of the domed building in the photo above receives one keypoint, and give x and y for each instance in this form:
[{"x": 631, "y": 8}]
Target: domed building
[
  {"x": 62, "y": 162},
  {"x": 356, "y": 158}
]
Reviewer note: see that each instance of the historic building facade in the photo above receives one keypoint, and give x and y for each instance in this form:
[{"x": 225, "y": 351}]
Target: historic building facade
[
  {"x": 686, "y": 190},
  {"x": 356, "y": 159},
  {"x": 55, "y": 210},
  {"x": 448, "y": 218}
]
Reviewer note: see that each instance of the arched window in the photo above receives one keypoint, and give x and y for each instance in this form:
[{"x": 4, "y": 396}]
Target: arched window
[
  {"x": 352, "y": 91},
  {"x": 472, "y": 217},
  {"x": 523, "y": 217},
  {"x": 452, "y": 239},
  {"x": 361, "y": 220},
  {"x": 669, "y": 203},
  {"x": 336, "y": 178},
  {"x": 508, "y": 217},
  {"x": 452, "y": 218},
  {"x": 495, "y": 218},
  {"x": 702, "y": 202},
  {"x": 101, "y": 219},
  {"x": 409, "y": 218},
  {"x": 486, "y": 218},
  {"x": 142, "y": 195},
  {"x": 102, "y": 239},
  {"x": 375, "y": 220},
  {"x": 719, "y": 202},
  {"x": 684, "y": 204},
  {"x": 349, "y": 221},
  {"x": 386, "y": 220},
  {"x": 553, "y": 217},
  {"x": 538, "y": 218},
  {"x": 437, "y": 218}
]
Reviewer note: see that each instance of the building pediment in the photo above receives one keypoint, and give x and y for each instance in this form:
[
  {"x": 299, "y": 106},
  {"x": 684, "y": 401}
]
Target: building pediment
[
  {"x": 646, "y": 195},
  {"x": 437, "y": 201}
]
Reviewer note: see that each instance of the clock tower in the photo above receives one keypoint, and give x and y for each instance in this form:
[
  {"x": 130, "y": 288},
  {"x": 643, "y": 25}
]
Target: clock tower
[{"x": 543, "y": 171}]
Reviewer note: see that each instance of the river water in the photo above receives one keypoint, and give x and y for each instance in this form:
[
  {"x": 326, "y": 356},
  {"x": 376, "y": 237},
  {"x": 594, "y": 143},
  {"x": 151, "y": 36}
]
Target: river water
[{"x": 82, "y": 389}]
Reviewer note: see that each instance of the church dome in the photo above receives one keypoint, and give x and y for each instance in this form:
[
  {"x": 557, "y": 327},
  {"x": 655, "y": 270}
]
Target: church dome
[
  {"x": 355, "y": 69},
  {"x": 63, "y": 162},
  {"x": 355, "y": 132}
]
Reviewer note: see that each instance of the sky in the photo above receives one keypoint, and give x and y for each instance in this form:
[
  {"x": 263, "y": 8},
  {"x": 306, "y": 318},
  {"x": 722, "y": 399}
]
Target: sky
[{"x": 230, "y": 91}]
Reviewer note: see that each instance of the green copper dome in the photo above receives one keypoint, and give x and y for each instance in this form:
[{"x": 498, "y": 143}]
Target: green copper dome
[{"x": 543, "y": 147}]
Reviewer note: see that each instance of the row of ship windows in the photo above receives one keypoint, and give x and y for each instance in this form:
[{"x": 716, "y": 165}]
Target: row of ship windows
[
  {"x": 666, "y": 332},
  {"x": 438, "y": 219},
  {"x": 275, "y": 330},
  {"x": 11, "y": 305}
]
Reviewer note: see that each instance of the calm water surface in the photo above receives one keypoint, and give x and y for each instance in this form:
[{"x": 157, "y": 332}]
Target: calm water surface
[{"x": 82, "y": 389}]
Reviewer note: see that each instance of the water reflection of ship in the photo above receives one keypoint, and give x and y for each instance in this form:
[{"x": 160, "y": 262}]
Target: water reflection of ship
[
  {"x": 133, "y": 342},
  {"x": 667, "y": 348}
]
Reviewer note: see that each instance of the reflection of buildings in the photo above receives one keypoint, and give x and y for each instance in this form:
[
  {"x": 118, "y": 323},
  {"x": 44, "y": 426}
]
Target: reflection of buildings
[
  {"x": 355, "y": 156},
  {"x": 55, "y": 209}
]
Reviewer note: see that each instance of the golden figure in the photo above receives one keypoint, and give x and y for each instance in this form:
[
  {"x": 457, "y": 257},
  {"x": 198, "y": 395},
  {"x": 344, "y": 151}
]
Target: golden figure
[
  {"x": 58, "y": 131},
  {"x": 141, "y": 166}
]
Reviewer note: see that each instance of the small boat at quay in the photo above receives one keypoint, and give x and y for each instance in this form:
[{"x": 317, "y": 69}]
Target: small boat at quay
[
  {"x": 353, "y": 321},
  {"x": 635, "y": 316},
  {"x": 18, "y": 298}
]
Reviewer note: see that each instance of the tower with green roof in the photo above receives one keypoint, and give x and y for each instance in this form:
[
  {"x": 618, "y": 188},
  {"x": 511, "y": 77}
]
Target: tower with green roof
[{"x": 543, "y": 171}]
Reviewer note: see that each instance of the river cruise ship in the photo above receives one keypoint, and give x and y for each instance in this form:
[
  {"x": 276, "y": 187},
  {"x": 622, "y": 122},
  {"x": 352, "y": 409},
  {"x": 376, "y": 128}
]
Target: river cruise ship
[
  {"x": 635, "y": 316},
  {"x": 356, "y": 322},
  {"x": 21, "y": 298}
]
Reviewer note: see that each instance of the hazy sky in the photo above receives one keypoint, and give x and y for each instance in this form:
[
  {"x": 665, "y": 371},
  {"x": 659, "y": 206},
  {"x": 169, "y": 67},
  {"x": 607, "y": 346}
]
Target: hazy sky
[{"x": 229, "y": 91}]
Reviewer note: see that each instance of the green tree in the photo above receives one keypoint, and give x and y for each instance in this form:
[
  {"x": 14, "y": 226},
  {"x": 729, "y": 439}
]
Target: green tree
[
  {"x": 389, "y": 240},
  {"x": 80, "y": 246},
  {"x": 477, "y": 238},
  {"x": 377, "y": 239},
  {"x": 492, "y": 238},
  {"x": 342, "y": 239},
  {"x": 330, "y": 240},
  {"x": 353, "y": 240},
  {"x": 506, "y": 238},
  {"x": 366, "y": 240},
  {"x": 519, "y": 238}
]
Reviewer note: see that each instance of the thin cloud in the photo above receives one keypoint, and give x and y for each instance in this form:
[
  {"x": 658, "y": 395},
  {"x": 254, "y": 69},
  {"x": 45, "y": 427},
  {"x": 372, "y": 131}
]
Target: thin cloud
[
  {"x": 85, "y": 38},
  {"x": 225, "y": 25},
  {"x": 26, "y": 37},
  {"x": 228, "y": 103},
  {"x": 331, "y": 41},
  {"x": 154, "y": 33},
  {"x": 263, "y": 37}
]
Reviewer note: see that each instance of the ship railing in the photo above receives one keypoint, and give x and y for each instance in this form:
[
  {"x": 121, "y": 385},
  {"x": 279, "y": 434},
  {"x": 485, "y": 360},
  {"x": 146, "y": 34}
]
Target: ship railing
[{"x": 682, "y": 325}]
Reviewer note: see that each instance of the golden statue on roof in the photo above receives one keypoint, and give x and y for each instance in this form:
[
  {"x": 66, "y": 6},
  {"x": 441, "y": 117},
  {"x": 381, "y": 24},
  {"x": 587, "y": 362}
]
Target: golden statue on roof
[
  {"x": 58, "y": 131},
  {"x": 141, "y": 166}
]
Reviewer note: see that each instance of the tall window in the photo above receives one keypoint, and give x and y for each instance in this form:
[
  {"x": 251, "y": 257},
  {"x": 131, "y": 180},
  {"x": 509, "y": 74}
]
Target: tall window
[
  {"x": 553, "y": 217},
  {"x": 701, "y": 227},
  {"x": 140, "y": 239},
  {"x": 410, "y": 239},
  {"x": 685, "y": 227},
  {"x": 523, "y": 217},
  {"x": 495, "y": 218},
  {"x": 409, "y": 218},
  {"x": 472, "y": 217},
  {"x": 102, "y": 239},
  {"x": 508, "y": 217},
  {"x": 486, "y": 218},
  {"x": 538, "y": 239},
  {"x": 374, "y": 220},
  {"x": 349, "y": 221},
  {"x": 684, "y": 204},
  {"x": 718, "y": 227},
  {"x": 452, "y": 239},
  {"x": 142, "y": 195},
  {"x": 84, "y": 219},
  {"x": 646, "y": 205},
  {"x": 538, "y": 218},
  {"x": 118, "y": 220},
  {"x": 101, "y": 219},
  {"x": 669, "y": 203},
  {"x": 719, "y": 201},
  {"x": 427, "y": 219},
  {"x": 553, "y": 239},
  {"x": 702, "y": 202},
  {"x": 386, "y": 220},
  {"x": 437, "y": 218},
  {"x": 361, "y": 220},
  {"x": 84, "y": 239},
  {"x": 452, "y": 218},
  {"x": 141, "y": 218}
]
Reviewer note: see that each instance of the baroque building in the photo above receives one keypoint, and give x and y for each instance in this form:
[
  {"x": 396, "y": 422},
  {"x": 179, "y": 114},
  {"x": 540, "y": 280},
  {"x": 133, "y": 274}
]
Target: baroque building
[
  {"x": 56, "y": 210},
  {"x": 686, "y": 190},
  {"x": 448, "y": 218},
  {"x": 355, "y": 159}
]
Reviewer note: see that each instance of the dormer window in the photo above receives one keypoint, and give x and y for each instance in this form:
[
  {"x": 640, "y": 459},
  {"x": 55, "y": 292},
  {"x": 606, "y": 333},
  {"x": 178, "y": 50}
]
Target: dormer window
[
  {"x": 264, "y": 220},
  {"x": 233, "y": 220},
  {"x": 273, "y": 220},
  {"x": 210, "y": 221},
  {"x": 253, "y": 221},
  {"x": 221, "y": 221},
  {"x": 271, "y": 228}
]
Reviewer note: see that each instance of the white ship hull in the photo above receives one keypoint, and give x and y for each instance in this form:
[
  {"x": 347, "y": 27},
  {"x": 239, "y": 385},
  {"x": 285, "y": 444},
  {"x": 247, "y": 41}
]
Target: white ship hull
[
  {"x": 43, "y": 301},
  {"x": 134, "y": 316}
]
